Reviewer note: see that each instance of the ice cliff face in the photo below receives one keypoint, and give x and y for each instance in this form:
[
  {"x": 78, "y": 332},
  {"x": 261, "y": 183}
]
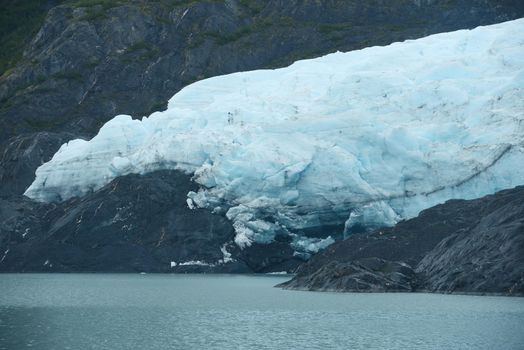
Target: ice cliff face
[{"x": 368, "y": 137}]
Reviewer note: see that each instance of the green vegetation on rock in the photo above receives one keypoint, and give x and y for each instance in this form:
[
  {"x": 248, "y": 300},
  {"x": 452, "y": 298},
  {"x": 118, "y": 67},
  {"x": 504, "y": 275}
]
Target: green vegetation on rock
[{"x": 19, "y": 22}]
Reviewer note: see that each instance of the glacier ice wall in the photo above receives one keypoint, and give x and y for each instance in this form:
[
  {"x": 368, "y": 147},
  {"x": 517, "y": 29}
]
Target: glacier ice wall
[{"x": 369, "y": 136}]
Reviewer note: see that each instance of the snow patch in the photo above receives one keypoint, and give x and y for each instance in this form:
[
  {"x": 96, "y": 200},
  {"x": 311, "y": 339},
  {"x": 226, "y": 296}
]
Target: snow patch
[
  {"x": 5, "y": 254},
  {"x": 195, "y": 263},
  {"x": 226, "y": 259},
  {"x": 226, "y": 255}
]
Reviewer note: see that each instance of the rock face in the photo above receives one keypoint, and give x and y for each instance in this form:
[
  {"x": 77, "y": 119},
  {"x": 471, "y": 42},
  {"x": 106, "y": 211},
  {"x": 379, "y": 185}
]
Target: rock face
[
  {"x": 474, "y": 246},
  {"x": 362, "y": 275},
  {"x": 125, "y": 226},
  {"x": 22, "y": 155},
  {"x": 485, "y": 257},
  {"x": 135, "y": 223}
]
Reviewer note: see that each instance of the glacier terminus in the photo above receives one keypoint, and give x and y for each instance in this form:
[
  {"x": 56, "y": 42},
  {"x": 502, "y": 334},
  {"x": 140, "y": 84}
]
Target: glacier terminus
[{"x": 353, "y": 140}]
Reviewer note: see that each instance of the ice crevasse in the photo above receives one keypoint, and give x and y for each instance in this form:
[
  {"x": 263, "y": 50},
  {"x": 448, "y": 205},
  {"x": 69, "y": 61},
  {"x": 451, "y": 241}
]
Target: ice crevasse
[{"x": 365, "y": 138}]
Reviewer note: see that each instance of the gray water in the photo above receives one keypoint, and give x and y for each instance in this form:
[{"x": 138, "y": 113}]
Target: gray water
[{"x": 126, "y": 311}]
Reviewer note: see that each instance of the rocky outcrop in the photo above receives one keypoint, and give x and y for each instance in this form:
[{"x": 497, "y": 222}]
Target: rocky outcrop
[
  {"x": 135, "y": 223},
  {"x": 485, "y": 257},
  {"x": 362, "y": 275},
  {"x": 474, "y": 246}
]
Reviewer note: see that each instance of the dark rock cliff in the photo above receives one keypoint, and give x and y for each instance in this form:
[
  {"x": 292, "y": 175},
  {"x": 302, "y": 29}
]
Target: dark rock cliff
[
  {"x": 474, "y": 246},
  {"x": 135, "y": 223}
]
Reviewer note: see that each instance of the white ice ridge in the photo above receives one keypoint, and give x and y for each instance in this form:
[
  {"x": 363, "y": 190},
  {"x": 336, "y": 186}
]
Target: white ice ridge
[{"x": 371, "y": 136}]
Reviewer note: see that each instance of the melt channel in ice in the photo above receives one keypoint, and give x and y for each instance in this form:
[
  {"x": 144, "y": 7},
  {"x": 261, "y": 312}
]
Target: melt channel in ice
[{"x": 366, "y": 137}]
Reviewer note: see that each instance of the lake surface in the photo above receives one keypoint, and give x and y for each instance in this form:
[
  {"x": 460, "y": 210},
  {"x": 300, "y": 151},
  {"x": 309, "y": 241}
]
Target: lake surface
[{"x": 155, "y": 311}]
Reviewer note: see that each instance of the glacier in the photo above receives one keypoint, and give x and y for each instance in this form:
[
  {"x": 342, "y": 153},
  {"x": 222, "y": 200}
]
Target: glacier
[{"x": 358, "y": 139}]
